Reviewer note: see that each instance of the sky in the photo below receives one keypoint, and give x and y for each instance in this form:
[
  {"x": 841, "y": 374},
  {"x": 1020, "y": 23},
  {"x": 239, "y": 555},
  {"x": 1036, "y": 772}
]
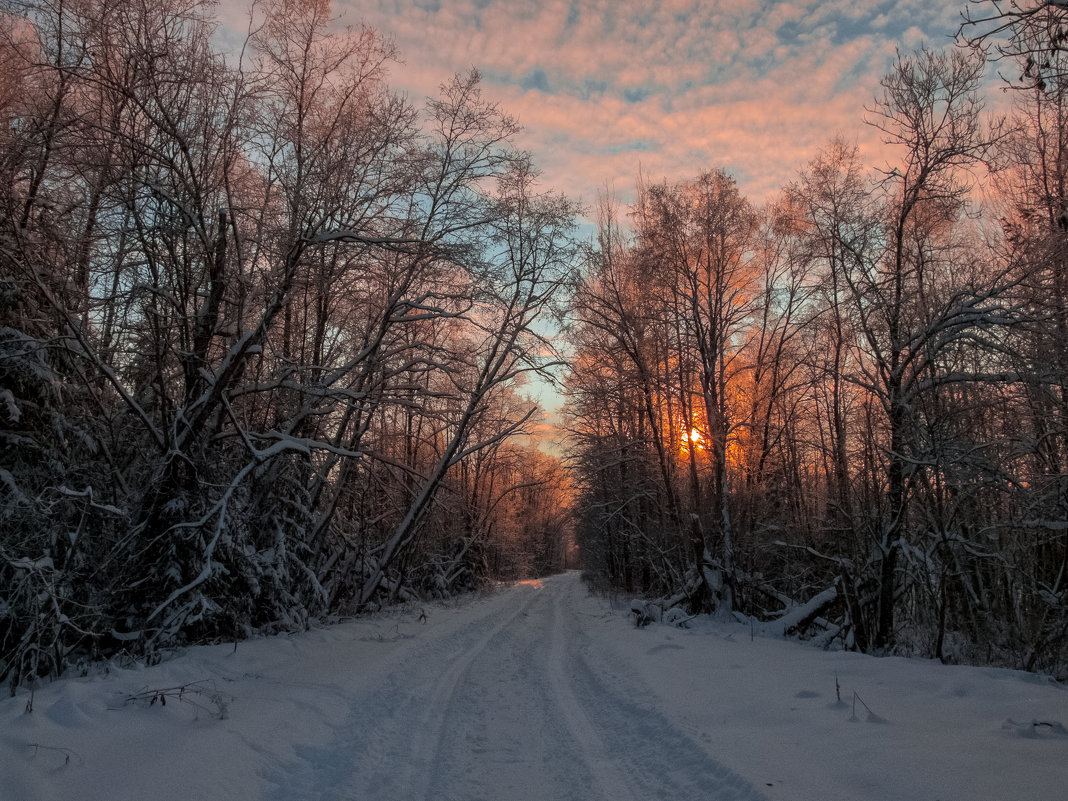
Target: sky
[{"x": 602, "y": 86}]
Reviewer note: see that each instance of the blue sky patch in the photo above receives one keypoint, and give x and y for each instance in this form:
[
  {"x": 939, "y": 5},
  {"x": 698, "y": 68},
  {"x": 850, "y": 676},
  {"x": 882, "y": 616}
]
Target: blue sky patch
[{"x": 538, "y": 79}]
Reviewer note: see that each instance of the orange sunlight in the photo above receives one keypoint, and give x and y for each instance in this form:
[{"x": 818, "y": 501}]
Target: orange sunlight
[{"x": 693, "y": 439}]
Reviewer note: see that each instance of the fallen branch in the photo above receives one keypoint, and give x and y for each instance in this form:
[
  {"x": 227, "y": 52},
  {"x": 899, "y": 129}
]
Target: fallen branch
[
  {"x": 797, "y": 619},
  {"x": 201, "y": 695}
]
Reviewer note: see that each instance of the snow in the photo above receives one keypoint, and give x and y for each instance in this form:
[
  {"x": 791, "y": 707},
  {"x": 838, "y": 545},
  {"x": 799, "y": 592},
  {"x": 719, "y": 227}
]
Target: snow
[{"x": 537, "y": 691}]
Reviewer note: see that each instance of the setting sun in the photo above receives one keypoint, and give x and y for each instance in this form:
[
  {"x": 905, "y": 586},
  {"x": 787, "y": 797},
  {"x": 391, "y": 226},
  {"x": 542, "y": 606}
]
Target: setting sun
[{"x": 693, "y": 439}]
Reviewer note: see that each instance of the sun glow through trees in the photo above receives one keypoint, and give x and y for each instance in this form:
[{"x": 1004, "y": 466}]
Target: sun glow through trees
[{"x": 692, "y": 440}]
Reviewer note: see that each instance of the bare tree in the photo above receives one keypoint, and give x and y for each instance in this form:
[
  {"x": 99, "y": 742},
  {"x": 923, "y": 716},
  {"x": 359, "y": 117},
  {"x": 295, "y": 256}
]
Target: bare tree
[
  {"x": 266, "y": 304},
  {"x": 1032, "y": 35}
]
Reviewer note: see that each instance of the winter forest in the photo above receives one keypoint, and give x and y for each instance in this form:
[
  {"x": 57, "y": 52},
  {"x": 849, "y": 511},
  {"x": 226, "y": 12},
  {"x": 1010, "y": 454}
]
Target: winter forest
[{"x": 268, "y": 330}]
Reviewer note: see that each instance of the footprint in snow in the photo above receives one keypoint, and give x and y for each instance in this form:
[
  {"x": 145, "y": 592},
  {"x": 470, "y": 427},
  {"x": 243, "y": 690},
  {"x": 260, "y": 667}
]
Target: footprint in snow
[
  {"x": 656, "y": 649},
  {"x": 959, "y": 690}
]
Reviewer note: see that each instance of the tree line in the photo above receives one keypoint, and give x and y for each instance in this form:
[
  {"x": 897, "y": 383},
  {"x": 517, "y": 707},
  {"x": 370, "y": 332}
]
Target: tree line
[
  {"x": 264, "y": 324},
  {"x": 847, "y": 410}
]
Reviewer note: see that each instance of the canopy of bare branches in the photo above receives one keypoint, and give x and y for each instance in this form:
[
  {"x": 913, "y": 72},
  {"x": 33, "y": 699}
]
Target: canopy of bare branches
[
  {"x": 849, "y": 410},
  {"x": 263, "y": 324}
]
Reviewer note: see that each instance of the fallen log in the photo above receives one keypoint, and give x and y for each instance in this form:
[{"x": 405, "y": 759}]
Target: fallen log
[{"x": 796, "y": 619}]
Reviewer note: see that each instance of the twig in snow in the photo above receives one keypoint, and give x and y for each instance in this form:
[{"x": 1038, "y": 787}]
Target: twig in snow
[
  {"x": 201, "y": 695},
  {"x": 67, "y": 753},
  {"x": 872, "y": 717}
]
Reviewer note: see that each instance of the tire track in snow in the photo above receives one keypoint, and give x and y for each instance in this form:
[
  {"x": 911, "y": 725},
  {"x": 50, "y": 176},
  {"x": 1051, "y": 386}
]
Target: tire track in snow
[
  {"x": 511, "y": 704},
  {"x": 381, "y": 750},
  {"x": 605, "y": 766},
  {"x": 426, "y": 746},
  {"x": 506, "y": 738},
  {"x": 660, "y": 760}
]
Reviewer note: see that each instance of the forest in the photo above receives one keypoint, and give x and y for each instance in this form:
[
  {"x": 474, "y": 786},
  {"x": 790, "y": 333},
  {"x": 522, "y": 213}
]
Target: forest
[
  {"x": 261, "y": 330},
  {"x": 267, "y": 325},
  {"x": 846, "y": 410}
]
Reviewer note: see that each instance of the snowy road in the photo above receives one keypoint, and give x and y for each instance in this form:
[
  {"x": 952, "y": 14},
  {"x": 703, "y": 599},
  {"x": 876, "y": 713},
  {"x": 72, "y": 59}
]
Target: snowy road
[
  {"x": 514, "y": 704},
  {"x": 538, "y": 691}
]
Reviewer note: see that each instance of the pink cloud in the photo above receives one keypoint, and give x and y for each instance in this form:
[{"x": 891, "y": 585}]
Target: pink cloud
[{"x": 677, "y": 85}]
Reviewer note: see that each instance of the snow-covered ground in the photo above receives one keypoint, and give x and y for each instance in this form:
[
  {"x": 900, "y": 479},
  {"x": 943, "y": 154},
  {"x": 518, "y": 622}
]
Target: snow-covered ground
[{"x": 536, "y": 692}]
